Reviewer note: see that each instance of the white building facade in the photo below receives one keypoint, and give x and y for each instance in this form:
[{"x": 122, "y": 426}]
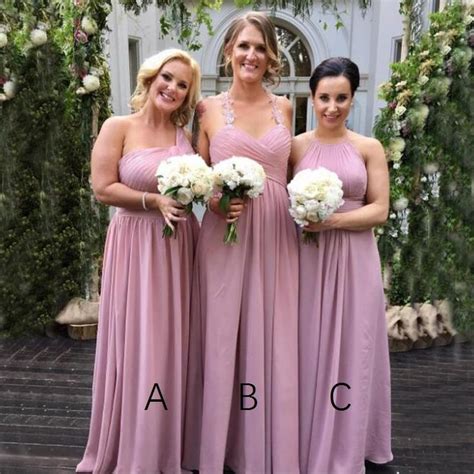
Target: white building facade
[{"x": 372, "y": 41}]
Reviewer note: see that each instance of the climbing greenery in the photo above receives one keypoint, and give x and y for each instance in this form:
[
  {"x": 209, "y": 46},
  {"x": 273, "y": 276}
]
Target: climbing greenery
[
  {"x": 184, "y": 19},
  {"x": 54, "y": 92},
  {"x": 427, "y": 132}
]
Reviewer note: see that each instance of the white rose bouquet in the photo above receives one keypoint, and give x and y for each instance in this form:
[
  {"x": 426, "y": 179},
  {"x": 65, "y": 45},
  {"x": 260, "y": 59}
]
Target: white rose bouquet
[
  {"x": 237, "y": 177},
  {"x": 187, "y": 179},
  {"x": 315, "y": 194}
]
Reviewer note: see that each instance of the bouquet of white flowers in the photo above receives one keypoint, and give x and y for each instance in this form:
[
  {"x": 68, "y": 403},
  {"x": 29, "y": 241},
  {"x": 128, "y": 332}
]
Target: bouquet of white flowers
[
  {"x": 237, "y": 177},
  {"x": 187, "y": 179},
  {"x": 315, "y": 194}
]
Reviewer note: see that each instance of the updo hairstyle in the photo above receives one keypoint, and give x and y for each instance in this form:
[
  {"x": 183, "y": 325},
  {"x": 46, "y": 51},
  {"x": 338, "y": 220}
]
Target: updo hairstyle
[{"x": 335, "y": 67}]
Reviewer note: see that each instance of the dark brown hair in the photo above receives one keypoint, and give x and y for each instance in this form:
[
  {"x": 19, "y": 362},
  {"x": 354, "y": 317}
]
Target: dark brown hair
[{"x": 334, "y": 67}]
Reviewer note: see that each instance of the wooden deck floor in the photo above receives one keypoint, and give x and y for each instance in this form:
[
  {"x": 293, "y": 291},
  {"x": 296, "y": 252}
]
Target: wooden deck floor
[{"x": 45, "y": 397}]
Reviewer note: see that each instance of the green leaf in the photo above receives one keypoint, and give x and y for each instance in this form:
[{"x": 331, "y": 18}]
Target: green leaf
[{"x": 224, "y": 202}]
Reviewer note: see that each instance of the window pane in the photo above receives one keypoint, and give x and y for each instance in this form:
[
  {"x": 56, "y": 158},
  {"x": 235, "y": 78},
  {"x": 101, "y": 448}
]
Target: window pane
[
  {"x": 285, "y": 37},
  {"x": 397, "y": 50},
  {"x": 222, "y": 68},
  {"x": 301, "y": 113},
  {"x": 285, "y": 70},
  {"x": 133, "y": 62},
  {"x": 301, "y": 59},
  {"x": 221, "y": 65}
]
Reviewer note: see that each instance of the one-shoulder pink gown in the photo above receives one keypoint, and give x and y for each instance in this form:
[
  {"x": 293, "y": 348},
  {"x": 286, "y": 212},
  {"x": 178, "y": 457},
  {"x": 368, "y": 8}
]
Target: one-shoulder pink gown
[
  {"x": 143, "y": 333},
  {"x": 342, "y": 335},
  {"x": 246, "y": 323}
]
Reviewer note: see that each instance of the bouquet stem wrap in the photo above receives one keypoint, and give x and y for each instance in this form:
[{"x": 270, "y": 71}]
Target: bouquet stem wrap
[
  {"x": 237, "y": 177},
  {"x": 173, "y": 193},
  {"x": 230, "y": 236},
  {"x": 310, "y": 238}
]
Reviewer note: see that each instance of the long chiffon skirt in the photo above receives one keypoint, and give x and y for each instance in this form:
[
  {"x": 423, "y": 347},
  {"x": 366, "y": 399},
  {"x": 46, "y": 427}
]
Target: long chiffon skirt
[{"x": 142, "y": 341}]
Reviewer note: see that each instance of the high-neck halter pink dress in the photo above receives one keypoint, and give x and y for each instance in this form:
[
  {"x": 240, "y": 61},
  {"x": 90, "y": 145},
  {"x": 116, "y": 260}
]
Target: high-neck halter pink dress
[
  {"x": 143, "y": 332},
  {"x": 342, "y": 335},
  {"x": 244, "y": 330}
]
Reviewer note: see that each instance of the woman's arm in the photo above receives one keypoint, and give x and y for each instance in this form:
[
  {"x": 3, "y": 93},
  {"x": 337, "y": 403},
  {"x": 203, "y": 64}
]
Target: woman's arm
[
  {"x": 286, "y": 109},
  {"x": 105, "y": 179},
  {"x": 299, "y": 146},
  {"x": 375, "y": 212},
  {"x": 200, "y": 140}
]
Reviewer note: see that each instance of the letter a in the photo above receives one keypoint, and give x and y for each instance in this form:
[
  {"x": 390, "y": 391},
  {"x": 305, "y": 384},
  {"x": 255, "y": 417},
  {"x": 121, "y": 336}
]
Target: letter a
[
  {"x": 242, "y": 396},
  {"x": 151, "y": 399}
]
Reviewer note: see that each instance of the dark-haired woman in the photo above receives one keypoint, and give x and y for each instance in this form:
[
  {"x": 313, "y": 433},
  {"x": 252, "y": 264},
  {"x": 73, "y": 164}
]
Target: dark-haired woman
[
  {"x": 244, "y": 377},
  {"x": 344, "y": 372}
]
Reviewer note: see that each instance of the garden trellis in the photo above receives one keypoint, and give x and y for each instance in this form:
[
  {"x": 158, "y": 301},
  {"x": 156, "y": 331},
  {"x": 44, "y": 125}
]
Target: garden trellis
[
  {"x": 54, "y": 93},
  {"x": 427, "y": 132}
]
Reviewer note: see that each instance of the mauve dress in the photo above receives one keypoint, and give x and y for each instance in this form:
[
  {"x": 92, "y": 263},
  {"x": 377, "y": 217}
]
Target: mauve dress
[
  {"x": 244, "y": 327},
  {"x": 143, "y": 332},
  {"x": 342, "y": 334}
]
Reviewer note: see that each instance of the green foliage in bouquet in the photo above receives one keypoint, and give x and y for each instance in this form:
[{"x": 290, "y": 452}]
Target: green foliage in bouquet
[
  {"x": 426, "y": 129},
  {"x": 52, "y": 230}
]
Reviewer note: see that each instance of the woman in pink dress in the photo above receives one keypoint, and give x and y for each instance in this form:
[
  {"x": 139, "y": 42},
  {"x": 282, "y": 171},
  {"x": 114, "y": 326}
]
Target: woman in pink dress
[
  {"x": 243, "y": 349},
  {"x": 344, "y": 365},
  {"x": 141, "y": 357}
]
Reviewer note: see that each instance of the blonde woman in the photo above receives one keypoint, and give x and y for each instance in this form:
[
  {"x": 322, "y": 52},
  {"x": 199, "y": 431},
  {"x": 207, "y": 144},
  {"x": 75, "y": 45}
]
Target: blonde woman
[
  {"x": 243, "y": 373},
  {"x": 141, "y": 356}
]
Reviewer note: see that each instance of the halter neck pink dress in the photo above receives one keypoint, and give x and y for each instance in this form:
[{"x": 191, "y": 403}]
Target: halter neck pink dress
[
  {"x": 143, "y": 333},
  {"x": 246, "y": 321},
  {"x": 342, "y": 335}
]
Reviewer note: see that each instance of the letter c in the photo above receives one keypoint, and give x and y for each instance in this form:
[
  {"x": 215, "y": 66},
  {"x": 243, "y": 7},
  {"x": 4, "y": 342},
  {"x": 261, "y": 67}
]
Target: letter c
[{"x": 332, "y": 396}]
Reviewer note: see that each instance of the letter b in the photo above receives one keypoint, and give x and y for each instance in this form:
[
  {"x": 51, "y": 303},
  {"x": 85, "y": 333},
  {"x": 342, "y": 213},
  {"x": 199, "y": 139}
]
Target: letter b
[{"x": 250, "y": 395}]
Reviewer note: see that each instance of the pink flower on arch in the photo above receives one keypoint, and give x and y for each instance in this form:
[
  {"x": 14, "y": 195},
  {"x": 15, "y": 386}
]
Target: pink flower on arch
[
  {"x": 77, "y": 70},
  {"x": 81, "y": 37}
]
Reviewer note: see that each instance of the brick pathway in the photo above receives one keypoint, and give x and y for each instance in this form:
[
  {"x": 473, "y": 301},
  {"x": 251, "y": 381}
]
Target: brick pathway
[{"x": 45, "y": 388}]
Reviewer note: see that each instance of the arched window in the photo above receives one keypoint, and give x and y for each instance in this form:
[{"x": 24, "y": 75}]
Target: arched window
[
  {"x": 295, "y": 75},
  {"x": 294, "y": 55}
]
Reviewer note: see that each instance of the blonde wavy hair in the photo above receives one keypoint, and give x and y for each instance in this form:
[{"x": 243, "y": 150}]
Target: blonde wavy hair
[
  {"x": 267, "y": 28},
  {"x": 147, "y": 73}
]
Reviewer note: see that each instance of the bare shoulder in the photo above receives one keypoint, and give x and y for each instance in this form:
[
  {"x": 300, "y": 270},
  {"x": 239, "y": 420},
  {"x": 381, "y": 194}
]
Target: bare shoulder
[
  {"x": 368, "y": 147},
  {"x": 114, "y": 130},
  {"x": 117, "y": 123},
  {"x": 211, "y": 102},
  {"x": 284, "y": 104},
  {"x": 303, "y": 139},
  {"x": 299, "y": 145},
  {"x": 208, "y": 106},
  {"x": 111, "y": 139},
  {"x": 286, "y": 109}
]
